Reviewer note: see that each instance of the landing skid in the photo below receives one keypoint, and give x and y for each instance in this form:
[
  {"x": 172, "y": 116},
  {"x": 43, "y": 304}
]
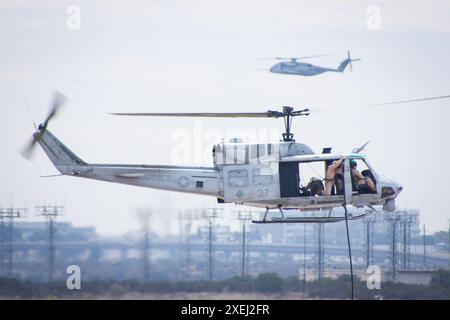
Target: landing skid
[
  {"x": 324, "y": 219},
  {"x": 309, "y": 219}
]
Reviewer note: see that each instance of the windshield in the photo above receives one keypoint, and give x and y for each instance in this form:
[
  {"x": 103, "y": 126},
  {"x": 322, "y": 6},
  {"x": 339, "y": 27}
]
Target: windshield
[{"x": 364, "y": 164}]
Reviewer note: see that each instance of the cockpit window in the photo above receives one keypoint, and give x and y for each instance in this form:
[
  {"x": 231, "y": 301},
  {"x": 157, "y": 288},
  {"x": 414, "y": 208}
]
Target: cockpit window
[{"x": 363, "y": 179}]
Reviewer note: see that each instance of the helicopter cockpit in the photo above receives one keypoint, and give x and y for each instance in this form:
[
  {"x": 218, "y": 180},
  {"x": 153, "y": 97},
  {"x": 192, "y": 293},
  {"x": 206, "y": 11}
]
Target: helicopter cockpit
[{"x": 312, "y": 178}]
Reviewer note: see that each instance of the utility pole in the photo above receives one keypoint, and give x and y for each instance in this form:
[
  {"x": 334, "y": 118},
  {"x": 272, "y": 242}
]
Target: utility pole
[
  {"x": 407, "y": 219},
  {"x": 50, "y": 213},
  {"x": 424, "y": 247},
  {"x": 244, "y": 217},
  {"x": 393, "y": 220},
  {"x": 394, "y": 250},
  {"x": 304, "y": 261},
  {"x": 7, "y": 238},
  {"x": 369, "y": 222},
  {"x": 188, "y": 229},
  {"x": 185, "y": 239},
  {"x": 211, "y": 214},
  {"x": 320, "y": 255},
  {"x": 144, "y": 216}
]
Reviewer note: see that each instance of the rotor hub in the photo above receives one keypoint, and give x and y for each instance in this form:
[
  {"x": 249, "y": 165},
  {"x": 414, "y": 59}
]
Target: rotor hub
[{"x": 42, "y": 126}]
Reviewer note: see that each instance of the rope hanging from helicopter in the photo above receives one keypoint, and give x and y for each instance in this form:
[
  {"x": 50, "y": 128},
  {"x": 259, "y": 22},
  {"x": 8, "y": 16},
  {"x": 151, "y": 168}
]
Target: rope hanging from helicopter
[{"x": 349, "y": 245}]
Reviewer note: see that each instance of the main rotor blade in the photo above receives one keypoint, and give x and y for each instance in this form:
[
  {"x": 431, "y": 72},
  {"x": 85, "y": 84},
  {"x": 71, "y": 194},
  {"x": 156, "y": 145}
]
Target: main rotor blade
[
  {"x": 268, "y": 114},
  {"x": 299, "y": 58},
  {"x": 384, "y": 103},
  {"x": 316, "y": 56},
  {"x": 407, "y": 101}
]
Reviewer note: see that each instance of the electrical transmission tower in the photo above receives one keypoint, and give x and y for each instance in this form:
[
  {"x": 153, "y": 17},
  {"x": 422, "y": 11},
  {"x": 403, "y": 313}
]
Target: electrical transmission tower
[
  {"x": 244, "y": 217},
  {"x": 406, "y": 220},
  {"x": 144, "y": 216},
  {"x": 320, "y": 253},
  {"x": 7, "y": 216},
  {"x": 50, "y": 213},
  {"x": 393, "y": 220},
  {"x": 211, "y": 214},
  {"x": 424, "y": 247},
  {"x": 185, "y": 226},
  {"x": 369, "y": 222},
  {"x": 304, "y": 261}
]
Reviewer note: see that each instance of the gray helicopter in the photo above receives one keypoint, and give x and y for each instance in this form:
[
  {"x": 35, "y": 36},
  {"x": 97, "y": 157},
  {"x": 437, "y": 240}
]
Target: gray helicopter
[
  {"x": 295, "y": 67},
  {"x": 267, "y": 175}
]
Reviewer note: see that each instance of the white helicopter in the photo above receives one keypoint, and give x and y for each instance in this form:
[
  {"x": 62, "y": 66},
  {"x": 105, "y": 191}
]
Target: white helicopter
[
  {"x": 270, "y": 176},
  {"x": 294, "y": 67}
]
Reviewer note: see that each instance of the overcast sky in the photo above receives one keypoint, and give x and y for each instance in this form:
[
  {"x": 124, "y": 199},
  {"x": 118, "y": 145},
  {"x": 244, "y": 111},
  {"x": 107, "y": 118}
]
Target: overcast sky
[{"x": 150, "y": 56}]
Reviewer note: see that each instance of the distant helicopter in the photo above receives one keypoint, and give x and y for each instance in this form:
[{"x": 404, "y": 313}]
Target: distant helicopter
[
  {"x": 294, "y": 67},
  {"x": 283, "y": 175}
]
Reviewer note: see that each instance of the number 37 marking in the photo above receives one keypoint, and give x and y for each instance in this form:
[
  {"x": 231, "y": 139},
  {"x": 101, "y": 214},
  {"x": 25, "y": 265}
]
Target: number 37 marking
[{"x": 262, "y": 193}]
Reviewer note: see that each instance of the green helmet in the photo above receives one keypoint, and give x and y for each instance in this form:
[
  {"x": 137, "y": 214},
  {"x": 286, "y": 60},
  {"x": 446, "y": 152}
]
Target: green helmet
[{"x": 353, "y": 163}]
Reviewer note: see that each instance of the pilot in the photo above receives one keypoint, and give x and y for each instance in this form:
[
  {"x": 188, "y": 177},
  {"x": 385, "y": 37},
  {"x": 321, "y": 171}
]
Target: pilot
[
  {"x": 334, "y": 170},
  {"x": 361, "y": 181}
]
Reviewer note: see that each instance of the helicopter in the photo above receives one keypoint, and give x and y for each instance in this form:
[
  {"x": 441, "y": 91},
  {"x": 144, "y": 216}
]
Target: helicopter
[
  {"x": 270, "y": 176},
  {"x": 294, "y": 67}
]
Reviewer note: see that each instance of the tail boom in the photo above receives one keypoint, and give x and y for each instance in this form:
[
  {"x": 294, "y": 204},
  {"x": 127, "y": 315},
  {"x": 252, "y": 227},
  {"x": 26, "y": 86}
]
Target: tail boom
[{"x": 187, "y": 179}]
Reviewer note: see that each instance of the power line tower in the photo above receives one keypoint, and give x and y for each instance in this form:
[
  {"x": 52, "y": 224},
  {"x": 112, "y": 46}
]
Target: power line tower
[
  {"x": 393, "y": 220},
  {"x": 304, "y": 261},
  {"x": 211, "y": 214},
  {"x": 244, "y": 217},
  {"x": 51, "y": 213},
  {"x": 424, "y": 247},
  {"x": 7, "y": 216},
  {"x": 185, "y": 225},
  {"x": 320, "y": 253},
  {"x": 144, "y": 216},
  {"x": 188, "y": 231},
  {"x": 369, "y": 222},
  {"x": 406, "y": 220}
]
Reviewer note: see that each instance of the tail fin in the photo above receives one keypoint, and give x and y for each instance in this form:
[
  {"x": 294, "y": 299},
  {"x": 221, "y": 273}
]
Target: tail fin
[
  {"x": 343, "y": 65},
  {"x": 346, "y": 62},
  {"x": 58, "y": 153}
]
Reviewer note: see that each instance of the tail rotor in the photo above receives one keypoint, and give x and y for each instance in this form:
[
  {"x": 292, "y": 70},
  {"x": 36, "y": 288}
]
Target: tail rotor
[
  {"x": 58, "y": 100},
  {"x": 350, "y": 60}
]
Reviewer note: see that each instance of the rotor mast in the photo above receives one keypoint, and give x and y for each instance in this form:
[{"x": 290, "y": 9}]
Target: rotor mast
[{"x": 287, "y": 114}]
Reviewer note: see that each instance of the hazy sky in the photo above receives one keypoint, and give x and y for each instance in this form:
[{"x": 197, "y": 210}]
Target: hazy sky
[{"x": 150, "y": 56}]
